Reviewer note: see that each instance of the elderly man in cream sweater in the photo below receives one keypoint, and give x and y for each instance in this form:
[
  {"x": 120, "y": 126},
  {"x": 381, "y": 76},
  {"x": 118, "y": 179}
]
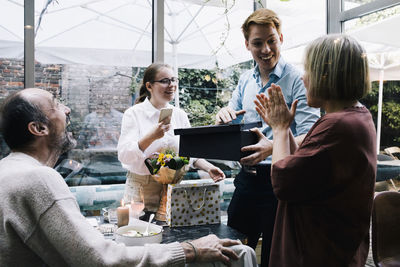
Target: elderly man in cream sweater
[{"x": 41, "y": 223}]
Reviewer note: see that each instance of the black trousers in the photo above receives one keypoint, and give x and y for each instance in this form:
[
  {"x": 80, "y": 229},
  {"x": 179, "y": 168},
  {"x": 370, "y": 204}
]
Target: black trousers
[{"x": 253, "y": 207}]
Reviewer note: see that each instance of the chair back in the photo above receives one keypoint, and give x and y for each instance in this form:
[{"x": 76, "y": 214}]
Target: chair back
[
  {"x": 386, "y": 227},
  {"x": 393, "y": 151}
]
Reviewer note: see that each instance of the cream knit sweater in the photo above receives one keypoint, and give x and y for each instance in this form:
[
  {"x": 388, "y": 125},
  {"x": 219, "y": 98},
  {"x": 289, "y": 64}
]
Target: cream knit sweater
[{"x": 41, "y": 224}]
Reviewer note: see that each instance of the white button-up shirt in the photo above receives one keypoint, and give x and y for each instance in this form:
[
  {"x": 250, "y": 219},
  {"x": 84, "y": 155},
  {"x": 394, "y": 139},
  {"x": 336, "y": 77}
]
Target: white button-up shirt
[{"x": 138, "y": 121}]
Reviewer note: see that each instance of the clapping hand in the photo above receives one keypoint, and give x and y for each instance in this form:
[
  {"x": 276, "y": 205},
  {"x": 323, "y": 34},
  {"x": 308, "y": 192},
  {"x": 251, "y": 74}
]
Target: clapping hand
[{"x": 274, "y": 110}]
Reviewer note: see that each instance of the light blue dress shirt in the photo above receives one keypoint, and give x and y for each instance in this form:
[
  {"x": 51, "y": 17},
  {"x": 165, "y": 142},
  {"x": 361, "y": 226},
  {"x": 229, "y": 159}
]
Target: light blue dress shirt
[{"x": 289, "y": 79}]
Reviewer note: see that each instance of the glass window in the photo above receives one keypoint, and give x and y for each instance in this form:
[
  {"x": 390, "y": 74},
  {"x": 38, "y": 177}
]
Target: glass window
[
  {"x": 99, "y": 48},
  {"x": 92, "y": 54},
  {"x": 202, "y": 35},
  {"x": 349, "y": 4},
  {"x": 376, "y": 17},
  {"x": 378, "y": 33},
  {"x": 89, "y": 54},
  {"x": 302, "y": 22},
  {"x": 205, "y": 42},
  {"x": 11, "y": 53}
]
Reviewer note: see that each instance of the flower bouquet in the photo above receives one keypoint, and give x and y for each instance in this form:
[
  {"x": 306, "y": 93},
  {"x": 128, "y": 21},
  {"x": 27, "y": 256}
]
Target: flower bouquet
[{"x": 166, "y": 168}]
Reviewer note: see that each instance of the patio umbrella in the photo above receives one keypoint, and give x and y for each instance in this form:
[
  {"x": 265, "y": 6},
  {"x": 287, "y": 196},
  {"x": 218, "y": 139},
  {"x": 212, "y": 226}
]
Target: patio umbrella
[
  {"x": 198, "y": 33},
  {"x": 118, "y": 32}
]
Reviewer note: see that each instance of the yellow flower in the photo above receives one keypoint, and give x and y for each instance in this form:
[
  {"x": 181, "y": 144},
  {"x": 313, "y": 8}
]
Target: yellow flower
[{"x": 207, "y": 78}]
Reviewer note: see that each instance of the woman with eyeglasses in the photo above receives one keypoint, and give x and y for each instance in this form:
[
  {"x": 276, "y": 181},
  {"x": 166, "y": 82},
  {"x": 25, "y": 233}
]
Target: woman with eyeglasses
[{"x": 142, "y": 135}]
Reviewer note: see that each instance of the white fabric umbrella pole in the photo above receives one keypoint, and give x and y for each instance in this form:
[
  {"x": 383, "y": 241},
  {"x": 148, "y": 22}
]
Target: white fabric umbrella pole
[
  {"x": 175, "y": 67},
  {"x": 380, "y": 99},
  {"x": 175, "y": 56}
]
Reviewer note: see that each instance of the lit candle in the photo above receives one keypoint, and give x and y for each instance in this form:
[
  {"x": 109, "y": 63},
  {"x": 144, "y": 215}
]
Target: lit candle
[{"x": 123, "y": 214}]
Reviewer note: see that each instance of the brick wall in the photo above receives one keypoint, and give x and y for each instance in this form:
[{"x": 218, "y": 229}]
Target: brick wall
[
  {"x": 86, "y": 88},
  {"x": 96, "y": 88},
  {"x": 91, "y": 92},
  {"x": 97, "y": 96},
  {"x": 12, "y": 76}
]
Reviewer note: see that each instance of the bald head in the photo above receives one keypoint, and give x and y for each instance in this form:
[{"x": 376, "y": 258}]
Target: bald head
[
  {"x": 35, "y": 122},
  {"x": 38, "y": 97},
  {"x": 18, "y": 110}
]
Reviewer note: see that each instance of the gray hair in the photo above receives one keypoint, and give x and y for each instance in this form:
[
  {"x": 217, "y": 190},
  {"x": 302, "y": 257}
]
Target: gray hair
[{"x": 337, "y": 68}]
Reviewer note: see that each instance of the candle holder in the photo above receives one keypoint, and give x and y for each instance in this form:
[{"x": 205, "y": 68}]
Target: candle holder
[{"x": 123, "y": 214}]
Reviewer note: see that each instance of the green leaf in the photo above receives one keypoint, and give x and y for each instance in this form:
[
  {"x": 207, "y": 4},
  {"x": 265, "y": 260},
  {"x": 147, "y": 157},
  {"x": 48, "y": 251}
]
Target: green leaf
[{"x": 176, "y": 163}]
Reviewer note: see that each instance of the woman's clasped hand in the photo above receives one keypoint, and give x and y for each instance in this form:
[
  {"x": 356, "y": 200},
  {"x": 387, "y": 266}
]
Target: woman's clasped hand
[{"x": 273, "y": 109}]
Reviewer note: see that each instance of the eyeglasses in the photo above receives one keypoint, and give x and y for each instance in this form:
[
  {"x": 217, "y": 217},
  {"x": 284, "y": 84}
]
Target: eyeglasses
[{"x": 167, "y": 81}]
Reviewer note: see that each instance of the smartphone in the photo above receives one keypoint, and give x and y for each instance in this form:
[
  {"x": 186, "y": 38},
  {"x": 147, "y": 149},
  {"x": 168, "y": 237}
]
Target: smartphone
[{"x": 164, "y": 113}]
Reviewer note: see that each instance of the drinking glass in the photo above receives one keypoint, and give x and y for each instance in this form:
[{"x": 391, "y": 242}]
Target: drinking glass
[
  {"x": 137, "y": 202},
  {"x": 110, "y": 215}
]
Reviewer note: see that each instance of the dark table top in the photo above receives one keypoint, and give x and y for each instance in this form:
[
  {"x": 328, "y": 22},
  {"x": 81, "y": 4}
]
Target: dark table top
[{"x": 184, "y": 233}]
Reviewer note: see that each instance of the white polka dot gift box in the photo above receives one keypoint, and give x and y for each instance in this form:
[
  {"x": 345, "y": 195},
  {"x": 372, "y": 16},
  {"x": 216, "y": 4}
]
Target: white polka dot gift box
[{"x": 194, "y": 203}]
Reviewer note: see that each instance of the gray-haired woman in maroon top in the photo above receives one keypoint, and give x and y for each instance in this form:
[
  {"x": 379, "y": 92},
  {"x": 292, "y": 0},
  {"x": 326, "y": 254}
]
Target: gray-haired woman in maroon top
[{"x": 325, "y": 186}]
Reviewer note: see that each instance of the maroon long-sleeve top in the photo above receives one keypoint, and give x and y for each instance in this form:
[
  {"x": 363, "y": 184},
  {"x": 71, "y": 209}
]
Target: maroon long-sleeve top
[{"x": 325, "y": 191}]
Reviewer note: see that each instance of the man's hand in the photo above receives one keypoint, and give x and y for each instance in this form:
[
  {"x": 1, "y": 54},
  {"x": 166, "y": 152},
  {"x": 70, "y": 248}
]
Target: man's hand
[
  {"x": 210, "y": 248},
  {"x": 227, "y": 114},
  {"x": 262, "y": 149}
]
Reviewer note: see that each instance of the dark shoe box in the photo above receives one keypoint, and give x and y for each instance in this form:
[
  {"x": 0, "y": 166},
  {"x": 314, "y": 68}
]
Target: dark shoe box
[{"x": 217, "y": 141}]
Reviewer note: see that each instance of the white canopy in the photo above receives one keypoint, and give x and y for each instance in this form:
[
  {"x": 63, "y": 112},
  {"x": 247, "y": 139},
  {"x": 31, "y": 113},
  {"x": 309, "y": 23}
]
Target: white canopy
[{"x": 118, "y": 32}]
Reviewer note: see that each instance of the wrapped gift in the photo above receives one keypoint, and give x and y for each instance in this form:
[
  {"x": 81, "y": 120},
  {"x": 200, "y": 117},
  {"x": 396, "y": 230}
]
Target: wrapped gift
[
  {"x": 169, "y": 176},
  {"x": 217, "y": 141},
  {"x": 167, "y": 168},
  {"x": 193, "y": 203}
]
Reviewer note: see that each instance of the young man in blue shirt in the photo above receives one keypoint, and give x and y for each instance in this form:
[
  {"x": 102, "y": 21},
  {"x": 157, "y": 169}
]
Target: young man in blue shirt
[{"x": 253, "y": 205}]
